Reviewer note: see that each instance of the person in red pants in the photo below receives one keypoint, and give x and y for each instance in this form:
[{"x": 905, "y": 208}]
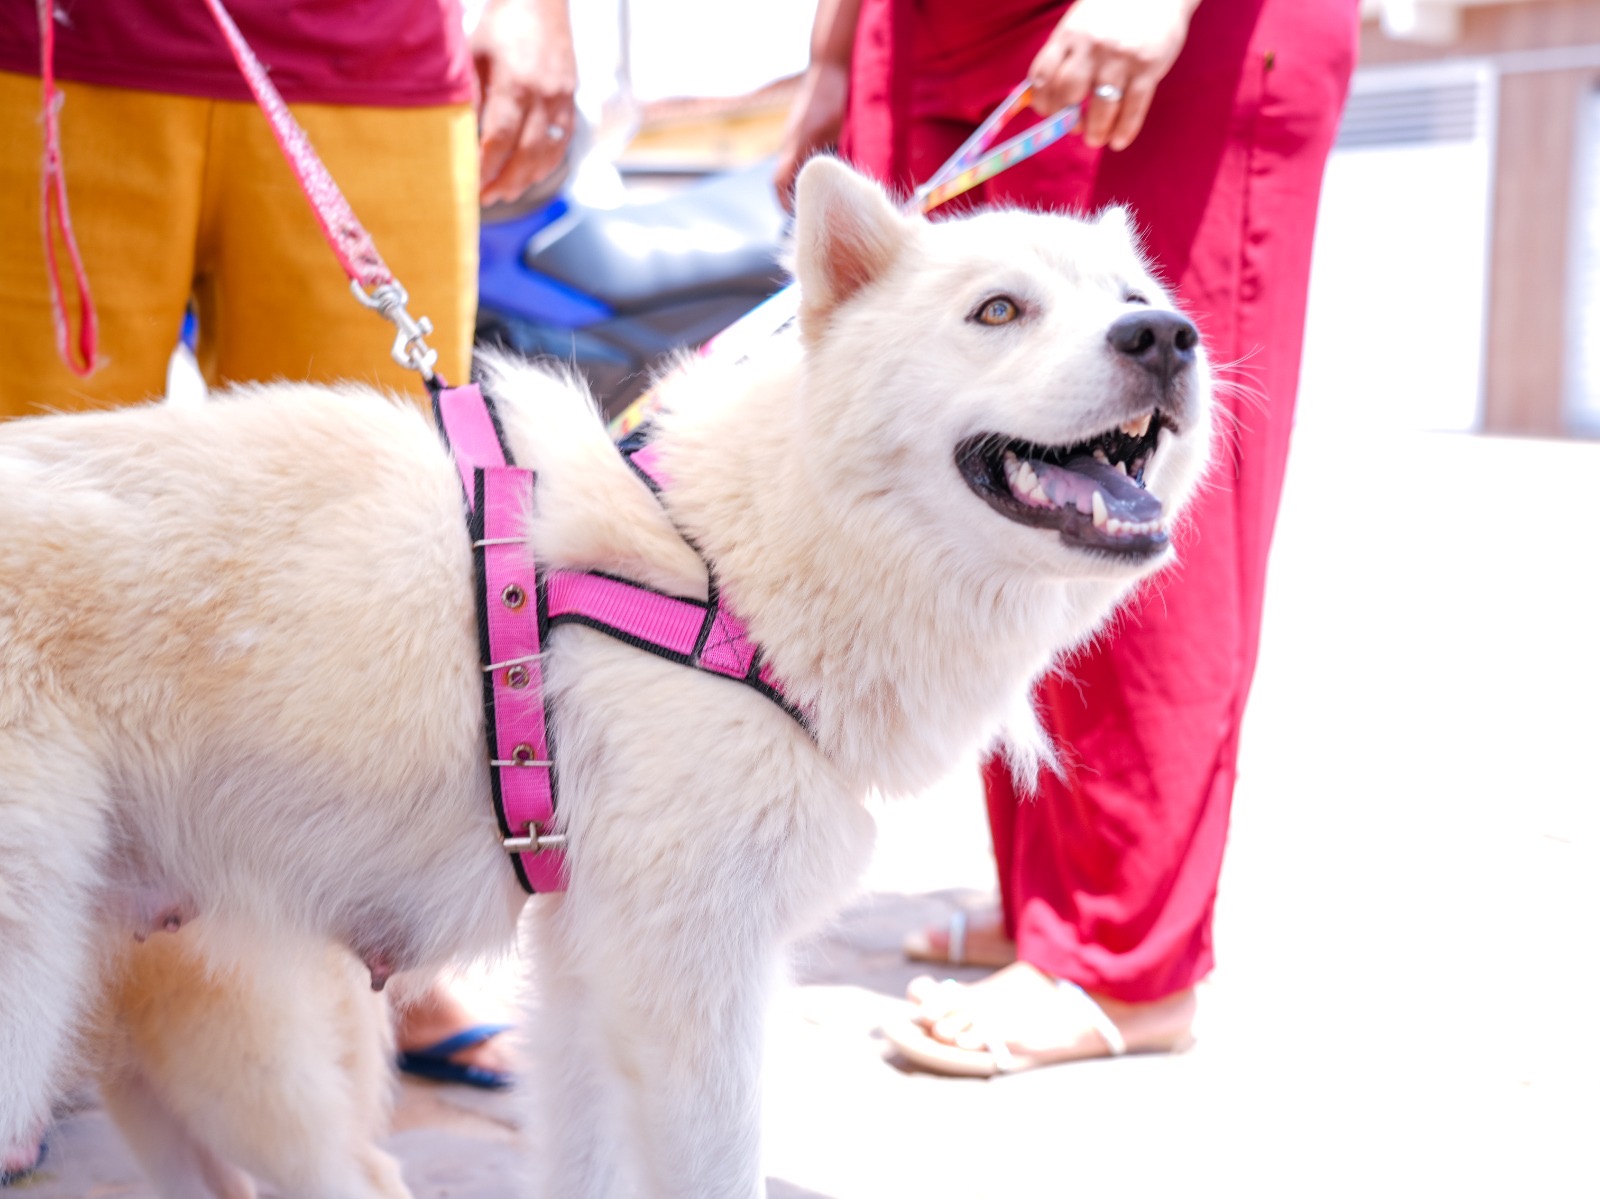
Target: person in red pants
[{"x": 1211, "y": 120}]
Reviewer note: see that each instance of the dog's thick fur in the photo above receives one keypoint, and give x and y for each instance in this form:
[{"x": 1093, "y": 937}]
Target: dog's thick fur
[
  {"x": 225, "y": 1067},
  {"x": 239, "y": 671}
]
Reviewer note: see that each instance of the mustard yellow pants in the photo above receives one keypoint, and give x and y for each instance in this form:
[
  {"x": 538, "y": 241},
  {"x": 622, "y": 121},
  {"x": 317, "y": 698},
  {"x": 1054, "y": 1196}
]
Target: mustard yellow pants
[{"x": 176, "y": 199}]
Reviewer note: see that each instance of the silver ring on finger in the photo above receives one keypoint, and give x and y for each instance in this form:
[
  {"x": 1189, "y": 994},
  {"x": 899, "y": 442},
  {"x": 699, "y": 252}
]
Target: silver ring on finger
[
  {"x": 1109, "y": 92},
  {"x": 555, "y": 133}
]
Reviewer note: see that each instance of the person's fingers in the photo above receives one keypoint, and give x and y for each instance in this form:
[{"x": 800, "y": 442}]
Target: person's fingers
[
  {"x": 1063, "y": 77},
  {"x": 1136, "y": 100},
  {"x": 516, "y": 160},
  {"x": 1043, "y": 71},
  {"x": 1106, "y": 100},
  {"x": 546, "y": 134},
  {"x": 814, "y": 124},
  {"x": 784, "y": 175},
  {"x": 499, "y": 128}
]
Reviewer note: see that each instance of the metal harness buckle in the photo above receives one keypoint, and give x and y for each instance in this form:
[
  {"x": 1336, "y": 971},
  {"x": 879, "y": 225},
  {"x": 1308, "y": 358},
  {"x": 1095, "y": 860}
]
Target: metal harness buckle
[{"x": 533, "y": 841}]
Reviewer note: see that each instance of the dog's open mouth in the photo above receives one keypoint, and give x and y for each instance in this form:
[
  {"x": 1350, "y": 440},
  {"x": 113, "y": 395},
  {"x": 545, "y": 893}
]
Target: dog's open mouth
[{"x": 1092, "y": 492}]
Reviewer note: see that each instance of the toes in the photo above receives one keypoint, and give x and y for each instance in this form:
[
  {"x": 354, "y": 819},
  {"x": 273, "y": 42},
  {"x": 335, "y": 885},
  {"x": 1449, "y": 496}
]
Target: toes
[
  {"x": 969, "y": 1038},
  {"x": 934, "y": 1000}
]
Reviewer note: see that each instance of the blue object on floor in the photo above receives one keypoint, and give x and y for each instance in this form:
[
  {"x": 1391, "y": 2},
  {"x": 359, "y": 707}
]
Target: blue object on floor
[
  {"x": 434, "y": 1062},
  {"x": 7, "y": 1177}
]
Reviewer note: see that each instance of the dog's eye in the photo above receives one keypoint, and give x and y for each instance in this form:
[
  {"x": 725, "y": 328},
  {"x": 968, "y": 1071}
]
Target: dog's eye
[
  {"x": 997, "y": 310},
  {"x": 1134, "y": 297}
]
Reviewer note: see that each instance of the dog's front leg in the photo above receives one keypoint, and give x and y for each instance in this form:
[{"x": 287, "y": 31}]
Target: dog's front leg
[
  {"x": 674, "y": 997},
  {"x": 572, "y": 1130}
]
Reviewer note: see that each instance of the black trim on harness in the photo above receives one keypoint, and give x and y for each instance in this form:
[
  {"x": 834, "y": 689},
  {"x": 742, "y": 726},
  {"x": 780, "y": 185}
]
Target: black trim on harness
[
  {"x": 750, "y": 679},
  {"x": 499, "y": 429}
]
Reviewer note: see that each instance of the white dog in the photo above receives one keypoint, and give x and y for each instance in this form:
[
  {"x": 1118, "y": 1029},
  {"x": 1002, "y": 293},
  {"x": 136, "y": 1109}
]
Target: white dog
[{"x": 240, "y": 675}]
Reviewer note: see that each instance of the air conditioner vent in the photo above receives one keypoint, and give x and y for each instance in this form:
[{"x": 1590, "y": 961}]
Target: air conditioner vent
[{"x": 1446, "y": 112}]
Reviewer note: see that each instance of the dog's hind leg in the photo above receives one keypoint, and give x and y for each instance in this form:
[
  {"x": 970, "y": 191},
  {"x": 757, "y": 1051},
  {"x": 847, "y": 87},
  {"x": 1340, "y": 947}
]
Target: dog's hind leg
[
  {"x": 52, "y": 841},
  {"x": 177, "y": 1164},
  {"x": 272, "y": 1058}
]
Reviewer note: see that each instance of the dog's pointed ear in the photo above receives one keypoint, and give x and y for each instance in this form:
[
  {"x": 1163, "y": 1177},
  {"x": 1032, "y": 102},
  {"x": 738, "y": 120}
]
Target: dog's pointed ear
[
  {"x": 847, "y": 234},
  {"x": 1118, "y": 220}
]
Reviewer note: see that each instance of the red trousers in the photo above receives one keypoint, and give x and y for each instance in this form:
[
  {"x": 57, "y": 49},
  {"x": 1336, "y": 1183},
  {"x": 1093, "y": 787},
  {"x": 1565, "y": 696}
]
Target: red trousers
[{"x": 1108, "y": 874}]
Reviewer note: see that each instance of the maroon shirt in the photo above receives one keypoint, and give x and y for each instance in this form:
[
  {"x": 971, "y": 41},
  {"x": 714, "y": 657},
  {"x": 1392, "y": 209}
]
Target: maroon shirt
[{"x": 388, "y": 53}]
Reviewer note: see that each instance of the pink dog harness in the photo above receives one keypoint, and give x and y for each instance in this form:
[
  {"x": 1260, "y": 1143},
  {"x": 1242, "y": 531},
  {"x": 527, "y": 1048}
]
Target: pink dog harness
[{"x": 518, "y": 605}]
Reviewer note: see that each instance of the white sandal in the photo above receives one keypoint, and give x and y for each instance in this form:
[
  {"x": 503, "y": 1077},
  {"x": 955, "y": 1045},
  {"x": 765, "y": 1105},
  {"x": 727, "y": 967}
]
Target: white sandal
[{"x": 927, "y": 1052}]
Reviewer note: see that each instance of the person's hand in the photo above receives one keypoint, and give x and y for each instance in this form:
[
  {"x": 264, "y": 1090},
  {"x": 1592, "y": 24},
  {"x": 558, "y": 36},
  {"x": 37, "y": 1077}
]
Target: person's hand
[
  {"x": 527, "y": 74},
  {"x": 1111, "y": 53},
  {"x": 814, "y": 122}
]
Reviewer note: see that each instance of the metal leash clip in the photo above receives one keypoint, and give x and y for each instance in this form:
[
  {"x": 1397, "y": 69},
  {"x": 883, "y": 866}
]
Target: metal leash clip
[{"x": 410, "y": 349}]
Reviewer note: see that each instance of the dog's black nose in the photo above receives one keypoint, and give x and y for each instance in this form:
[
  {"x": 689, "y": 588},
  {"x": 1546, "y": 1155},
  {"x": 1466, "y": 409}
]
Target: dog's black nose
[{"x": 1161, "y": 342}]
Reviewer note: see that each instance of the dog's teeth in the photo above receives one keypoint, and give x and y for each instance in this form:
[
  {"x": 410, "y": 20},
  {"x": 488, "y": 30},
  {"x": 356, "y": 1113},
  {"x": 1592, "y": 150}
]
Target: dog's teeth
[
  {"x": 1100, "y": 456},
  {"x": 1099, "y": 502},
  {"x": 1025, "y": 485},
  {"x": 1022, "y": 479},
  {"x": 1137, "y": 427},
  {"x": 1123, "y": 467},
  {"x": 1012, "y": 466}
]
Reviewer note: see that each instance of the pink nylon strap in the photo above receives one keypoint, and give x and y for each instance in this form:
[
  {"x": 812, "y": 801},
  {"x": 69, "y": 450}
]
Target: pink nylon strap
[
  {"x": 521, "y": 763},
  {"x": 705, "y": 636},
  {"x": 77, "y": 352},
  {"x": 520, "y": 749},
  {"x": 658, "y": 620},
  {"x": 726, "y": 647}
]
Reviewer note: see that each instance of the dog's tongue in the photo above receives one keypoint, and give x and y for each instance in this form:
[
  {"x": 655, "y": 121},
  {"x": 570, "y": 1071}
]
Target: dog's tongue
[{"x": 1074, "y": 485}]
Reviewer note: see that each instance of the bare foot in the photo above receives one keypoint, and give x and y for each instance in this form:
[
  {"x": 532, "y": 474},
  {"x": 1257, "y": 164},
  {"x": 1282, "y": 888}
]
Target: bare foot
[
  {"x": 436, "y": 1015},
  {"x": 967, "y": 939},
  {"x": 1040, "y": 1022}
]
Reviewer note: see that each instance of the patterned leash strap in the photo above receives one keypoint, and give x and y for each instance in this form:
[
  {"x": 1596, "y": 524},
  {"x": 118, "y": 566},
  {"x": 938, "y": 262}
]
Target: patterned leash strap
[
  {"x": 76, "y": 350},
  {"x": 974, "y": 163},
  {"x": 370, "y": 279}
]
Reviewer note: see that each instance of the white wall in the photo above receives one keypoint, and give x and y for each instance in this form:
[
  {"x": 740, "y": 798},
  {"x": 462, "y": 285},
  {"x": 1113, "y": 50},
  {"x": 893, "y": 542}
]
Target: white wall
[{"x": 1395, "y": 332}]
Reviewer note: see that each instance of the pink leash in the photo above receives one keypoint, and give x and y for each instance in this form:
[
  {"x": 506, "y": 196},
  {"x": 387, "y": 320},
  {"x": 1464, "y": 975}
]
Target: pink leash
[
  {"x": 346, "y": 236},
  {"x": 370, "y": 279},
  {"x": 77, "y": 352}
]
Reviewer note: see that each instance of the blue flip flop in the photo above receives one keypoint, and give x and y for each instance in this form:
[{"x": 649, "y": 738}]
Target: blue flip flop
[
  {"x": 7, "y": 1177},
  {"x": 434, "y": 1062}
]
